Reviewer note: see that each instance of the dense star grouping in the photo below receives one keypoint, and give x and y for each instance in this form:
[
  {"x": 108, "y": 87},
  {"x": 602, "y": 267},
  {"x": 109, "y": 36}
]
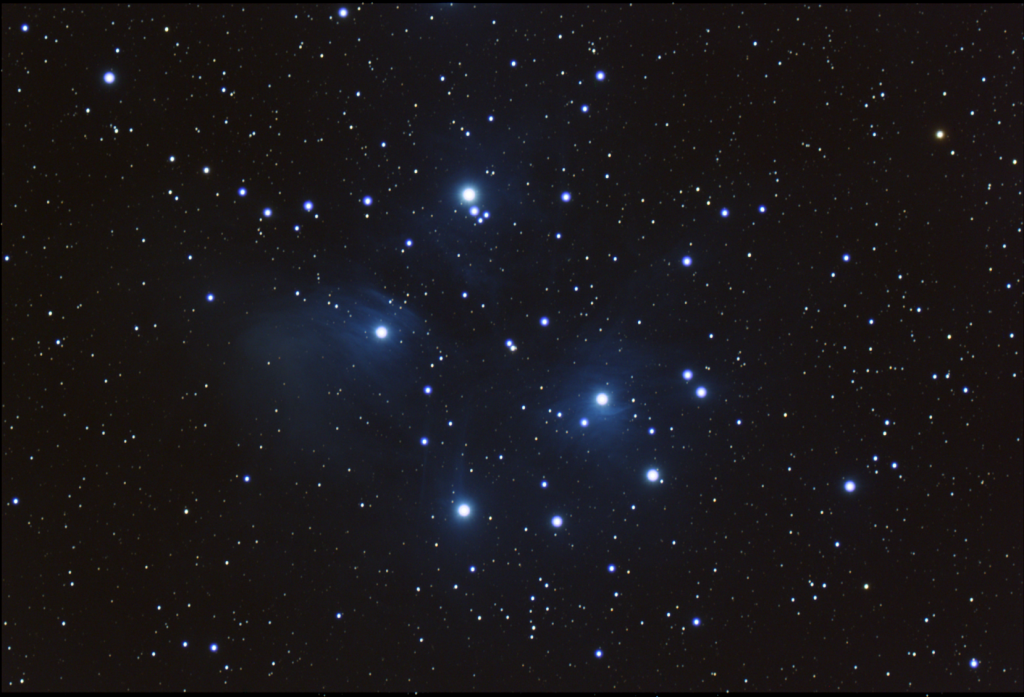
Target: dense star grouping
[{"x": 512, "y": 348}]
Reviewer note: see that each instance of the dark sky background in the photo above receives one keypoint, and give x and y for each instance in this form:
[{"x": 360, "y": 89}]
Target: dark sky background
[{"x": 785, "y": 243}]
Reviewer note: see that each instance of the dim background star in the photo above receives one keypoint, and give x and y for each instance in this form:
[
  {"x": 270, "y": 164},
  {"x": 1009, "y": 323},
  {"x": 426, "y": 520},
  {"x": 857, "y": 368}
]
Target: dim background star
[{"x": 477, "y": 348}]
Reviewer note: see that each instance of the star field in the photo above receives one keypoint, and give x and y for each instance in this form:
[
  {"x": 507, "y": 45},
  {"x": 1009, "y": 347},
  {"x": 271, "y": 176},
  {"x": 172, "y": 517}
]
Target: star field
[{"x": 512, "y": 348}]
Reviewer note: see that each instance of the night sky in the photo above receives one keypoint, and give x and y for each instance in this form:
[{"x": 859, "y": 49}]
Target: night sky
[{"x": 512, "y": 347}]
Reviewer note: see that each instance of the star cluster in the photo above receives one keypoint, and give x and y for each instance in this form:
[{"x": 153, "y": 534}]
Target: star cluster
[{"x": 478, "y": 348}]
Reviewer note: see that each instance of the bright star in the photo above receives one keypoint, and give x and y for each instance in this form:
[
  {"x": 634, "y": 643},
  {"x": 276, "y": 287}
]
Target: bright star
[
  {"x": 557, "y": 521},
  {"x": 696, "y": 621},
  {"x": 566, "y": 196},
  {"x": 474, "y": 211},
  {"x": 213, "y": 648},
  {"x": 242, "y": 192},
  {"x": 687, "y": 375},
  {"x": 424, "y": 442},
  {"x": 974, "y": 663},
  {"x": 652, "y": 475},
  {"x": 367, "y": 201},
  {"x": 850, "y": 487},
  {"x": 343, "y": 12},
  {"x": 308, "y": 205},
  {"x": 611, "y": 568},
  {"x": 761, "y": 209},
  {"x": 543, "y": 485},
  {"x": 267, "y": 212},
  {"x": 109, "y": 78},
  {"x": 209, "y": 298},
  {"x": 427, "y": 390},
  {"x": 584, "y": 423},
  {"x": 687, "y": 261},
  {"x": 725, "y": 212},
  {"x": 464, "y": 510},
  {"x": 602, "y": 399},
  {"x": 382, "y": 333},
  {"x": 600, "y": 75},
  {"x": 24, "y": 27},
  {"x": 544, "y": 321},
  {"x": 701, "y": 392},
  {"x": 469, "y": 195},
  {"x": 584, "y": 108},
  {"x": 408, "y": 243},
  {"x": 599, "y": 653}
]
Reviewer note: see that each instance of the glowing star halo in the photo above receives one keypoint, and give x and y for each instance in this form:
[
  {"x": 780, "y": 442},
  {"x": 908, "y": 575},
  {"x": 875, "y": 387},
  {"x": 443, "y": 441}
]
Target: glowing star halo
[
  {"x": 464, "y": 511},
  {"x": 469, "y": 195},
  {"x": 602, "y": 399},
  {"x": 382, "y": 333}
]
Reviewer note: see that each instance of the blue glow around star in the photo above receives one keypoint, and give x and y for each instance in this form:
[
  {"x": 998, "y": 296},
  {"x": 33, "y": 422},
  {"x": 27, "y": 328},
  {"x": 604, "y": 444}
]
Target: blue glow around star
[
  {"x": 343, "y": 12},
  {"x": 213, "y": 648},
  {"x": 725, "y": 212},
  {"x": 611, "y": 568},
  {"x": 544, "y": 321},
  {"x": 557, "y": 521},
  {"x": 687, "y": 375},
  {"x": 428, "y": 389},
  {"x": 209, "y": 298},
  {"x": 602, "y": 399},
  {"x": 469, "y": 195},
  {"x": 687, "y": 261},
  {"x": 242, "y": 192},
  {"x": 600, "y": 75},
  {"x": 464, "y": 511},
  {"x": 382, "y": 333},
  {"x": 850, "y": 487},
  {"x": 702, "y": 392},
  {"x": 367, "y": 200},
  {"x": 109, "y": 78},
  {"x": 566, "y": 196},
  {"x": 308, "y": 205},
  {"x": 653, "y": 475},
  {"x": 267, "y": 212},
  {"x": 975, "y": 663}
]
